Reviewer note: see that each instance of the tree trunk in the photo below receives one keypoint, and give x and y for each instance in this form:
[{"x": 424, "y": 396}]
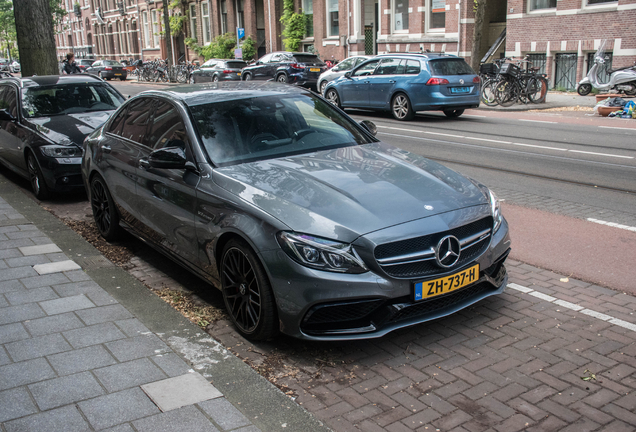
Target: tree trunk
[
  {"x": 480, "y": 12},
  {"x": 35, "y": 37},
  {"x": 166, "y": 28}
]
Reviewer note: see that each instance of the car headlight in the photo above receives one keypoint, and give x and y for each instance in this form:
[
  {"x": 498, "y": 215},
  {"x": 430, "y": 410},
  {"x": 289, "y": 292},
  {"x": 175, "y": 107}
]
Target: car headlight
[
  {"x": 60, "y": 151},
  {"x": 495, "y": 210},
  {"x": 321, "y": 254}
]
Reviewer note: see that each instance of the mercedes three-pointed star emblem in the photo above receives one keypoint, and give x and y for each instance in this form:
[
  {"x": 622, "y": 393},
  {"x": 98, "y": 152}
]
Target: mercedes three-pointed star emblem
[{"x": 447, "y": 251}]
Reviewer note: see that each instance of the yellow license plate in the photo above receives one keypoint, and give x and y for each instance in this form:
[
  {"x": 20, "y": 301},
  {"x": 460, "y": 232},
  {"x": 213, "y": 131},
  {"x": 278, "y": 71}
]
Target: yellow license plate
[
  {"x": 239, "y": 74},
  {"x": 314, "y": 69},
  {"x": 117, "y": 74},
  {"x": 446, "y": 284}
]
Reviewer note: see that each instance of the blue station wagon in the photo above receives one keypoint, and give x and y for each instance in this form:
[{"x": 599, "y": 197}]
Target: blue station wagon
[{"x": 406, "y": 83}]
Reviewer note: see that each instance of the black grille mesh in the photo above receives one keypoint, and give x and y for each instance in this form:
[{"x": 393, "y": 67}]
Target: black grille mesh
[
  {"x": 342, "y": 312},
  {"x": 443, "y": 302}
]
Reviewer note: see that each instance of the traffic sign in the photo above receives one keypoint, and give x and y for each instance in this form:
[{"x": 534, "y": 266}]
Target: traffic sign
[{"x": 241, "y": 33}]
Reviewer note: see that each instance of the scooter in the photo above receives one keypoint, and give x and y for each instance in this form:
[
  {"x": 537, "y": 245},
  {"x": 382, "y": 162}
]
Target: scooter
[{"x": 621, "y": 80}]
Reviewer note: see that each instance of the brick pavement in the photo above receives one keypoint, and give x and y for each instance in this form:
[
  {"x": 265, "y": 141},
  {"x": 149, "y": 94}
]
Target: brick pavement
[{"x": 73, "y": 357}]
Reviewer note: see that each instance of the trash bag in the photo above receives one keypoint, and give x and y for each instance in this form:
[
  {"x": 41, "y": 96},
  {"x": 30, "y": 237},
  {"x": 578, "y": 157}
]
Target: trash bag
[
  {"x": 630, "y": 108},
  {"x": 616, "y": 102}
]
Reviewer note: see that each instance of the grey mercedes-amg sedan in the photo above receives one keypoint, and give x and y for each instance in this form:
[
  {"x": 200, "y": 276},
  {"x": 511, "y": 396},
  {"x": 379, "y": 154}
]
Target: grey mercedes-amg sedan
[{"x": 307, "y": 223}]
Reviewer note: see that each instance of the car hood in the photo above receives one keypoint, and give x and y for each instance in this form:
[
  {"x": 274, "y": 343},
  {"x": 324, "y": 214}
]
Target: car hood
[
  {"x": 348, "y": 192},
  {"x": 64, "y": 129}
]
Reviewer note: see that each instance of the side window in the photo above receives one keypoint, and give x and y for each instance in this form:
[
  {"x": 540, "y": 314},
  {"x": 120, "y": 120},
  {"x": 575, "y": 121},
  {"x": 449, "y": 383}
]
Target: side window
[
  {"x": 9, "y": 100},
  {"x": 346, "y": 65},
  {"x": 136, "y": 123},
  {"x": 117, "y": 123},
  {"x": 275, "y": 58},
  {"x": 97, "y": 63},
  {"x": 360, "y": 60},
  {"x": 366, "y": 69},
  {"x": 412, "y": 67},
  {"x": 265, "y": 58},
  {"x": 167, "y": 129},
  {"x": 389, "y": 66}
]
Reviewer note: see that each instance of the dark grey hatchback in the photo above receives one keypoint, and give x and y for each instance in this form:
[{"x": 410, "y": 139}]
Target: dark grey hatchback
[{"x": 306, "y": 222}]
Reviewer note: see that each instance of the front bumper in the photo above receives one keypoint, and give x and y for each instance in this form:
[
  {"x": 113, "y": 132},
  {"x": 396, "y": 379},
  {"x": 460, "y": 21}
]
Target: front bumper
[
  {"x": 63, "y": 174},
  {"x": 319, "y": 305}
]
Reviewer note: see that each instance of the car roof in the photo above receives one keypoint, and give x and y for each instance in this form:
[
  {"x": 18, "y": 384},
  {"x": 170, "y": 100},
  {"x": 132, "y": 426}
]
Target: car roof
[
  {"x": 423, "y": 56},
  {"x": 46, "y": 80},
  {"x": 199, "y": 94}
]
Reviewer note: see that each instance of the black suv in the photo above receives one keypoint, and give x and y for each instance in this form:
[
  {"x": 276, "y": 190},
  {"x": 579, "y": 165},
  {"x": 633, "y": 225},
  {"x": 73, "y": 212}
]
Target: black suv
[
  {"x": 297, "y": 68},
  {"x": 43, "y": 123}
]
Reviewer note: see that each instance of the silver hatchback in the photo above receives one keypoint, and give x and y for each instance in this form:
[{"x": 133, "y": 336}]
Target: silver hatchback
[{"x": 339, "y": 70}]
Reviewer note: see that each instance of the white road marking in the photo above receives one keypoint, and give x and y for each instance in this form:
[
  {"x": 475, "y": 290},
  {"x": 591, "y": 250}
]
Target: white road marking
[
  {"x": 616, "y": 127},
  {"x": 538, "y": 121},
  {"x": 601, "y": 154},
  {"x": 612, "y": 224},
  {"x": 574, "y": 307},
  {"x": 538, "y": 146},
  {"x": 474, "y": 115},
  {"x": 488, "y": 140}
]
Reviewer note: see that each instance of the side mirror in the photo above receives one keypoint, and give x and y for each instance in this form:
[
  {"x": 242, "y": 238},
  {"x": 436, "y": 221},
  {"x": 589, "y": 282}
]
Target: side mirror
[
  {"x": 6, "y": 116},
  {"x": 369, "y": 126},
  {"x": 172, "y": 157},
  {"x": 348, "y": 75}
]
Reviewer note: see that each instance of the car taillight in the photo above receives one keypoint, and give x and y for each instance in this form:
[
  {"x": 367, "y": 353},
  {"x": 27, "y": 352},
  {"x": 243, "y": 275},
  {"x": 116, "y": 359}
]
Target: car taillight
[
  {"x": 297, "y": 66},
  {"x": 108, "y": 68},
  {"x": 227, "y": 71},
  {"x": 476, "y": 80},
  {"x": 437, "y": 81}
]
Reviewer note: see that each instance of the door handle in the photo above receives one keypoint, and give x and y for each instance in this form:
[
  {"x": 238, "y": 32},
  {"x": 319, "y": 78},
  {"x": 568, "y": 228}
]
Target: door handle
[
  {"x": 391, "y": 81},
  {"x": 367, "y": 82},
  {"x": 106, "y": 149},
  {"x": 143, "y": 163}
]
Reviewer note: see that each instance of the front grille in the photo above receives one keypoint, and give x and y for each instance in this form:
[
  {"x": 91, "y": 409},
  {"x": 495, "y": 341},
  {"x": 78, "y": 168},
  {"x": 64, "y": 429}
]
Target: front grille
[
  {"x": 341, "y": 312},
  {"x": 427, "y": 266},
  {"x": 436, "y": 304}
]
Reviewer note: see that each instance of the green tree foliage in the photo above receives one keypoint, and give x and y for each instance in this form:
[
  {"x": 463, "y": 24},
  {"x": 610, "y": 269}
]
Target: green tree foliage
[
  {"x": 179, "y": 17},
  {"x": 294, "y": 26},
  {"x": 7, "y": 27},
  {"x": 223, "y": 46},
  {"x": 58, "y": 12},
  {"x": 249, "y": 48}
]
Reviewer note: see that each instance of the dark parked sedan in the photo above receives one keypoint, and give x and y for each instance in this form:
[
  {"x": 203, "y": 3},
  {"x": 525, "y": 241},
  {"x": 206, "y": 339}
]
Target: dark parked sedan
[
  {"x": 298, "y": 68},
  {"x": 84, "y": 64},
  {"x": 220, "y": 70},
  {"x": 108, "y": 69},
  {"x": 307, "y": 223},
  {"x": 43, "y": 122}
]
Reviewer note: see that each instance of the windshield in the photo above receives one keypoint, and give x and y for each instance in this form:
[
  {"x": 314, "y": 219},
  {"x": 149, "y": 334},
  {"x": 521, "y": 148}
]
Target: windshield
[
  {"x": 451, "y": 67},
  {"x": 45, "y": 101},
  {"x": 272, "y": 126}
]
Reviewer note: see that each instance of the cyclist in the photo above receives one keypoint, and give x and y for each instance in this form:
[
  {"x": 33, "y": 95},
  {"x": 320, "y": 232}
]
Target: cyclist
[{"x": 69, "y": 66}]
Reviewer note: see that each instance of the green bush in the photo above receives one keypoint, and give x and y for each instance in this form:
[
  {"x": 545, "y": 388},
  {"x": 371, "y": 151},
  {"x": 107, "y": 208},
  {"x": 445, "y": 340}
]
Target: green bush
[
  {"x": 249, "y": 49},
  {"x": 294, "y": 26}
]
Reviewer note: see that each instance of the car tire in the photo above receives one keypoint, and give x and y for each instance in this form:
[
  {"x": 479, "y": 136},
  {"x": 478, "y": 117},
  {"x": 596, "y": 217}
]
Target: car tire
[
  {"x": 104, "y": 211},
  {"x": 40, "y": 189},
  {"x": 247, "y": 77},
  {"x": 401, "y": 107},
  {"x": 453, "y": 113},
  {"x": 333, "y": 97},
  {"x": 215, "y": 78},
  {"x": 281, "y": 78},
  {"x": 247, "y": 293},
  {"x": 322, "y": 87}
]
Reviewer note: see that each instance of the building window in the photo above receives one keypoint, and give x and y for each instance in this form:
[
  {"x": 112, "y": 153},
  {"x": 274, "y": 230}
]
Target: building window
[
  {"x": 595, "y": 2},
  {"x": 542, "y": 4},
  {"x": 193, "y": 21},
  {"x": 333, "y": 28},
  {"x": 438, "y": 15},
  {"x": 241, "y": 22},
  {"x": 308, "y": 10},
  {"x": 155, "y": 28},
  {"x": 144, "y": 17},
  {"x": 205, "y": 22},
  {"x": 223, "y": 17},
  {"x": 400, "y": 15}
]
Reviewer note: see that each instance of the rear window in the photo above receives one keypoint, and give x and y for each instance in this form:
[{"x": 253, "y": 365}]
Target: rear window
[
  {"x": 451, "y": 67},
  {"x": 307, "y": 58},
  {"x": 112, "y": 63},
  {"x": 236, "y": 65}
]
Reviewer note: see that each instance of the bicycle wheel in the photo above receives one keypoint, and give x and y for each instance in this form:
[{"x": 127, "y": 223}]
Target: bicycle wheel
[
  {"x": 507, "y": 93},
  {"x": 488, "y": 93},
  {"x": 540, "y": 87}
]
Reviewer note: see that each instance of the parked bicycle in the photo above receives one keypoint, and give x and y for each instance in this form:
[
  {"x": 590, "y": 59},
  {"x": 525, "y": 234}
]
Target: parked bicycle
[{"x": 511, "y": 84}]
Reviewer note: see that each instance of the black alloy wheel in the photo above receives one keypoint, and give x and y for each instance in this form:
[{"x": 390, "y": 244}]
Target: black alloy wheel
[
  {"x": 584, "y": 89},
  {"x": 104, "y": 210},
  {"x": 282, "y": 78},
  {"x": 40, "y": 190},
  {"x": 247, "y": 292},
  {"x": 332, "y": 96},
  {"x": 453, "y": 113},
  {"x": 401, "y": 107}
]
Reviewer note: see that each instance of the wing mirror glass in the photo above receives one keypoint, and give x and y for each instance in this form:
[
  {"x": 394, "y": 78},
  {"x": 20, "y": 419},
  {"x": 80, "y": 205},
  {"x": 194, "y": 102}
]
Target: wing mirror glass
[
  {"x": 369, "y": 126},
  {"x": 348, "y": 74},
  {"x": 6, "y": 115}
]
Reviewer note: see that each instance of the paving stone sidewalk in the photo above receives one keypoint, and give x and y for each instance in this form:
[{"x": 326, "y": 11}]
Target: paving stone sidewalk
[{"x": 75, "y": 358}]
